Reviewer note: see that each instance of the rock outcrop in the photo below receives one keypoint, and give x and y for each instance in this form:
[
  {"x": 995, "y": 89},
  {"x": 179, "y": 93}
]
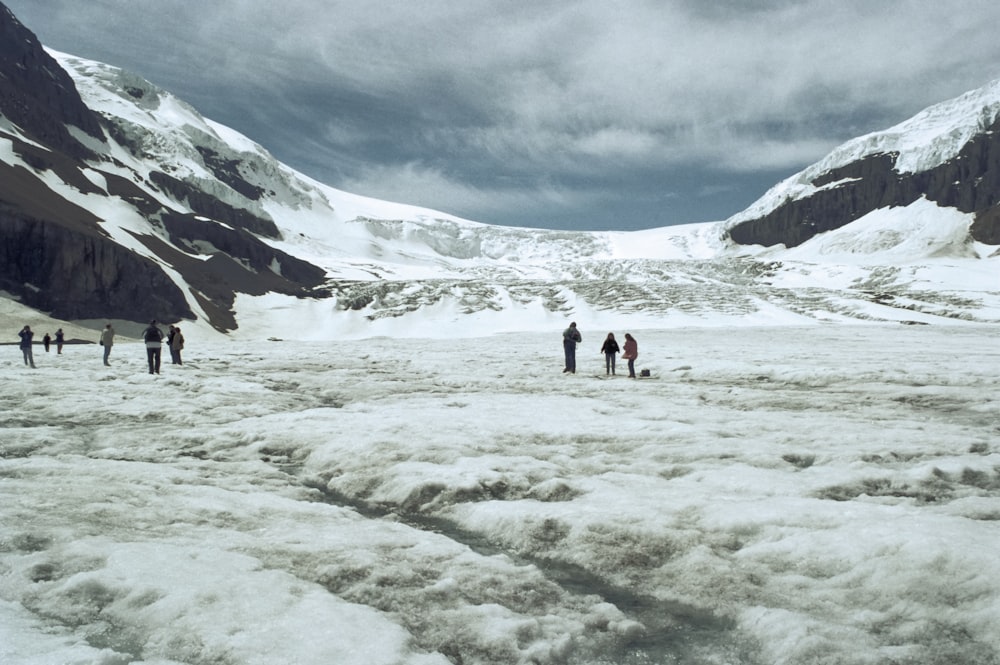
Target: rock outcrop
[
  {"x": 57, "y": 256},
  {"x": 37, "y": 94},
  {"x": 970, "y": 182}
]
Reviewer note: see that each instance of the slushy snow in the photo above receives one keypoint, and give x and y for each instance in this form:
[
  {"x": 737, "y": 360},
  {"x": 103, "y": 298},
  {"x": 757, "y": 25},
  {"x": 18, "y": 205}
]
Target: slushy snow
[{"x": 804, "y": 494}]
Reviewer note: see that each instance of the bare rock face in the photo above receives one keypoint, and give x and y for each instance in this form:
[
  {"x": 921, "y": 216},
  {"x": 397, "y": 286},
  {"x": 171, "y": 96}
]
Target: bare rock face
[
  {"x": 75, "y": 274},
  {"x": 970, "y": 182},
  {"x": 36, "y": 94},
  {"x": 57, "y": 257}
]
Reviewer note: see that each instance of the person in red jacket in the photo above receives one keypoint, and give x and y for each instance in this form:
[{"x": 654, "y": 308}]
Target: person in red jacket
[{"x": 630, "y": 353}]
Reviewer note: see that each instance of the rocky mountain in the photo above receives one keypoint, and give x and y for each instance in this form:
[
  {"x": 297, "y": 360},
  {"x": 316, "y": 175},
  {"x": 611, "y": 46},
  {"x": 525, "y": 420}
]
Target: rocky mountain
[
  {"x": 120, "y": 202},
  {"x": 71, "y": 176},
  {"x": 948, "y": 154}
]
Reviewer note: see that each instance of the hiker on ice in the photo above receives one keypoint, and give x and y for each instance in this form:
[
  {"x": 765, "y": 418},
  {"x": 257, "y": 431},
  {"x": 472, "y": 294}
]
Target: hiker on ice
[
  {"x": 609, "y": 349},
  {"x": 107, "y": 341},
  {"x": 26, "y": 336},
  {"x": 170, "y": 344},
  {"x": 176, "y": 345},
  {"x": 571, "y": 337},
  {"x": 630, "y": 353},
  {"x": 153, "y": 337}
]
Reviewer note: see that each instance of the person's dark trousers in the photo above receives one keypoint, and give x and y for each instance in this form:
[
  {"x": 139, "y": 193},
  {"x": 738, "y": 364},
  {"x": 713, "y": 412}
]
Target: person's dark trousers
[
  {"x": 153, "y": 356},
  {"x": 631, "y": 367},
  {"x": 107, "y": 352},
  {"x": 609, "y": 363},
  {"x": 569, "y": 347}
]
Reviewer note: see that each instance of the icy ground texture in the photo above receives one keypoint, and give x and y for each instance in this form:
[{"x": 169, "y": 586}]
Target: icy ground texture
[{"x": 822, "y": 494}]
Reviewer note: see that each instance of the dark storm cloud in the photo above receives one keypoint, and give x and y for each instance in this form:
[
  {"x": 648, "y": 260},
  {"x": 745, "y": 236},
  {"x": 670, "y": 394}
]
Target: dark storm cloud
[{"x": 589, "y": 114}]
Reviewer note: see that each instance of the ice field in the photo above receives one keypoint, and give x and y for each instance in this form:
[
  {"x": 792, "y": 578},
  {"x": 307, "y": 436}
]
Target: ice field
[{"x": 813, "y": 494}]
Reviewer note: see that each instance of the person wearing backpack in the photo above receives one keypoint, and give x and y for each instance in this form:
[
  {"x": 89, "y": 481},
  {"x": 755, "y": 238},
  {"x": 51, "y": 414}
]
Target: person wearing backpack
[{"x": 153, "y": 337}]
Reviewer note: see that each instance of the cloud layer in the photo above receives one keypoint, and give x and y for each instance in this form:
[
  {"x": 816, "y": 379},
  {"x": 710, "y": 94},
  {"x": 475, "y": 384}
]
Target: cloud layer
[{"x": 589, "y": 114}]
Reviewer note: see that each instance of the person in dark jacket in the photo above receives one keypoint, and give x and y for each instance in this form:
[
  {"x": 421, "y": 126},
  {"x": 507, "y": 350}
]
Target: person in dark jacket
[
  {"x": 630, "y": 353},
  {"x": 60, "y": 338},
  {"x": 153, "y": 337},
  {"x": 47, "y": 340},
  {"x": 609, "y": 349},
  {"x": 26, "y": 336},
  {"x": 571, "y": 337}
]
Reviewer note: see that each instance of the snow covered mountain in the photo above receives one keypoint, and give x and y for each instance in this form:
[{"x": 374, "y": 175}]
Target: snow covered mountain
[
  {"x": 120, "y": 202},
  {"x": 948, "y": 154}
]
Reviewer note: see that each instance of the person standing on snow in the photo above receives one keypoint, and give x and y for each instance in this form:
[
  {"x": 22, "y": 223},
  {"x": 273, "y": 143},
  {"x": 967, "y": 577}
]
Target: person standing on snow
[
  {"x": 630, "y": 353},
  {"x": 153, "y": 337},
  {"x": 107, "y": 341},
  {"x": 26, "y": 336},
  {"x": 47, "y": 340},
  {"x": 59, "y": 340},
  {"x": 176, "y": 345},
  {"x": 170, "y": 345},
  {"x": 609, "y": 349},
  {"x": 571, "y": 337}
]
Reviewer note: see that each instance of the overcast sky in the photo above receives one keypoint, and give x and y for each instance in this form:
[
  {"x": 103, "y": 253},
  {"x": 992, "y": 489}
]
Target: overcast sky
[{"x": 579, "y": 114}]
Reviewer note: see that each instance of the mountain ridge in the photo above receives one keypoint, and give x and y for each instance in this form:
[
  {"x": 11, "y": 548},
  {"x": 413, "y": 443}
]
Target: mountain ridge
[
  {"x": 165, "y": 214},
  {"x": 948, "y": 153}
]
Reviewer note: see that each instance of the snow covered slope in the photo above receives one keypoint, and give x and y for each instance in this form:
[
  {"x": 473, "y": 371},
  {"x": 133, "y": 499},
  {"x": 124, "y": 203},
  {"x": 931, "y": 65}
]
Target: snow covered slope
[
  {"x": 204, "y": 227},
  {"x": 400, "y": 270},
  {"x": 928, "y": 140}
]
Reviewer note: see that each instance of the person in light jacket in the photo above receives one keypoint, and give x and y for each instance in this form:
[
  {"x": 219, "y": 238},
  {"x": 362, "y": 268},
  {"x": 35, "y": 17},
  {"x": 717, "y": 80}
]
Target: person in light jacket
[
  {"x": 176, "y": 344},
  {"x": 609, "y": 349},
  {"x": 107, "y": 341},
  {"x": 26, "y": 336},
  {"x": 630, "y": 353}
]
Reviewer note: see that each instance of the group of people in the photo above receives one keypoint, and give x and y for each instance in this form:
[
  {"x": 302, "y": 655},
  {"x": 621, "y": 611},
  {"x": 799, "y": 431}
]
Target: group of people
[
  {"x": 610, "y": 349},
  {"x": 27, "y": 336},
  {"x": 152, "y": 336},
  {"x": 60, "y": 340}
]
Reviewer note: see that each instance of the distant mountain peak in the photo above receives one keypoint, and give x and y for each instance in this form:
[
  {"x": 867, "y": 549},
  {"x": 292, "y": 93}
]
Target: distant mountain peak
[{"x": 948, "y": 153}]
